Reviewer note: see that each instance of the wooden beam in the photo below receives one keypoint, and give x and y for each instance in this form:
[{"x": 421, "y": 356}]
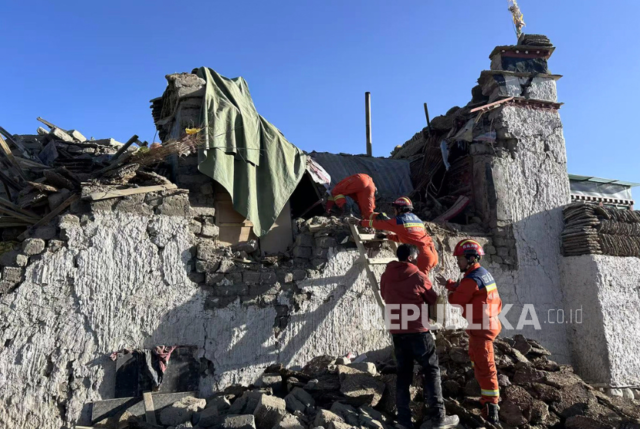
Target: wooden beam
[
  {"x": 491, "y": 106},
  {"x": 426, "y": 113},
  {"x": 48, "y": 218},
  {"x": 50, "y": 125},
  {"x": 19, "y": 209},
  {"x": 8, "y": 212},
  {"x": 9, "y": 181},
  {"x": 15, "y": 142},
  {"x": 124, "y": 147},
  {"x": 115, "y": 193},
  {"x": 149, "y": 408},
  {"x": 12, "y": 159}
]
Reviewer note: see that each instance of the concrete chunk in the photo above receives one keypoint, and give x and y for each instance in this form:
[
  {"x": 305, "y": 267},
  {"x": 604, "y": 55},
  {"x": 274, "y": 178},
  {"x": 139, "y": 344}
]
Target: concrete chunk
[
  {"x": 246, "y": 421},
  {"x": 299, "y": 400},
  {"x": 269, "y": 412},
  {"x": 181, "y": 411},
  {"x": 324, "y": 417}
]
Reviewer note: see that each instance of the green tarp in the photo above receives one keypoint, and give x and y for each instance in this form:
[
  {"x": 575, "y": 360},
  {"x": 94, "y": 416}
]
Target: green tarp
[{"x": 246, "y": 154}]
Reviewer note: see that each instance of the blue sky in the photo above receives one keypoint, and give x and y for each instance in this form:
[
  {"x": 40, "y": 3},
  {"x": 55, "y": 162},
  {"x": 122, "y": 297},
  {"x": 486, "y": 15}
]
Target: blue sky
[{"x": 94, "y": 66}]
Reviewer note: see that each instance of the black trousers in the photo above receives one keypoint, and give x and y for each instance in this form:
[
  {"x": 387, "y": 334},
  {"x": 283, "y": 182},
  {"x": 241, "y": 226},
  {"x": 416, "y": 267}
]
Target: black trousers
[{"x": 421, "y": 348}]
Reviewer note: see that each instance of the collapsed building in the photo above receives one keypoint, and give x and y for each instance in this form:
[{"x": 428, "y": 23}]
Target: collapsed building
[{"x": 195, "y": 265}]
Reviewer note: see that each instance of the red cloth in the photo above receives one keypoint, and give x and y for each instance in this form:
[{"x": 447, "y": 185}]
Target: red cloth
[
  {"x": 403, "y": 283},
  {"x": 360, "y": 188},
  {"x": 164, "y": 354},
  {"x": 408, "y": 229},
  {"x": 485, "y": 305}
]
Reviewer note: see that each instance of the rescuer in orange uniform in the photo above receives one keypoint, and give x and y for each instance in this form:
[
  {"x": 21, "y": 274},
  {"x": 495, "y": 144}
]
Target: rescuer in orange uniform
[
  {"x": 360, "y": 188},
  {"x": 408, "y": 229},
  {"x": 478, "y": 288}
]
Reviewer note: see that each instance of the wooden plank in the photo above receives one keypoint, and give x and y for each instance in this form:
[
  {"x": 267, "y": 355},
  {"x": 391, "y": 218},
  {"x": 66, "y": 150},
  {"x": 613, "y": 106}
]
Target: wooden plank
[
  {"x": 48, "y": 218},
  {"x": 12, "y": 159},
  {"x": 19, "y": 209},
  {"x": 149, "y": 409},
  {"x": 50, "y": 125},
  {"x": 8, "y": 212},
  {"x": 491, "y": 106},
  {"x": 115, "y": 193},
  {"x": 15, "y": 142}
]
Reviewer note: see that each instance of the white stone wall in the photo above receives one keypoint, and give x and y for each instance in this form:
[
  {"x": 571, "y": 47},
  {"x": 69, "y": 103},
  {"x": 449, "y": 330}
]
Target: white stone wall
[
  {"x": 606, "y": 345},
  {"x": 116, "y": 287}
]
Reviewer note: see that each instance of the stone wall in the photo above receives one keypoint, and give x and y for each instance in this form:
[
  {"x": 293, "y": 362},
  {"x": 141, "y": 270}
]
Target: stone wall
[{"x": 605, "y": 346}]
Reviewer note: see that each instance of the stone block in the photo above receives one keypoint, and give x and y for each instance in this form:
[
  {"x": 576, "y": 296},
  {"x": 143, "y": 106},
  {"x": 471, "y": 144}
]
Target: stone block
[
  {"x": 490, "y": 250},
  {"x": 268, "y": 278},
  {"x": 360, "y": 386},
  {"x": 251, "y": 277},
  {"x": 319, "y": 252},
  {"x": 234, "y": 277},
  {"x": 299, "y": 275},
  {"x": 77, "y": 135},
  {"x": 6, "y": 286},
  {"x": 246, "y": 421},
  {"x": 326, "y": 242},
  {"x": 346, "y": 412},
  {"x": 213, "y": 279},
  {"x": 61, "y": 135},
  {"x": 12, "y": 275},
  {"x": 206, "y": 250},
  {"x": 289, "y": 422},
  {"x": 231, "y": 290},
  {"x": 197, "y": 277},
  {"x": 220, "y": 403},
  {"x": 246, "y": 404},
  {"x": 206, "y": 266},
  {"x": 324, "y": 417},
  {"x": 22, "y": 260},
  {"x": 195, "y": 226},
  {"x": 272, "y": 381},
  {"x": 226, "y": 266},
  {"x": 210, "y": 231},
  {"x": 305, "y": 240},
  {"x": 299, "y": 400},
  {"x": 269, "y": 412},
  {"x": 55, "y": 245},
  {"x": 367, "y": 367},
  {"x": 45, "y": 232},
  {"x": 175, "y": 205},
  {"x": 33, "y": 246},
  {"x": 181, "y": 411}
]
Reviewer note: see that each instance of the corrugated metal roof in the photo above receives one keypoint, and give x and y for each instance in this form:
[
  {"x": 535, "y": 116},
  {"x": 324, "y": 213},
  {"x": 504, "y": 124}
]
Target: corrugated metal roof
[
  {"x": 391, "y": 176},
  {"x": 577, "y": 178}
]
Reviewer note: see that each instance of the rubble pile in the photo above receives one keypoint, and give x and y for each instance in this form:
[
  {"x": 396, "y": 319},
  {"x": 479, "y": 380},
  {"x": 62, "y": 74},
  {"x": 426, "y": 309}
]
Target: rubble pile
[
  {"x": 591, "y": 229},
  {"x": 43, "y": 174},
  {"x": 341, "y": 393}
]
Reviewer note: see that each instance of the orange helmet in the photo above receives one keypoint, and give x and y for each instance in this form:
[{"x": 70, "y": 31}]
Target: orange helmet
[
  {"x": 403, "y": 203},
  {"x": 468, "y": 248}
]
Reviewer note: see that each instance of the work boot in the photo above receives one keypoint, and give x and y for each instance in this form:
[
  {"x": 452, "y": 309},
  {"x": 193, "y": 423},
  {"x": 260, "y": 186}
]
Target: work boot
[
  {"x": 445, "y": 422},
  {"x": 491, "y": 413}
]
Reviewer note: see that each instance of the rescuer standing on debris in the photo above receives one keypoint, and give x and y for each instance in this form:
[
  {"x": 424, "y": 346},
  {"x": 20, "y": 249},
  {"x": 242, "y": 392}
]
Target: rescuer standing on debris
[
  {"x": 403, "y": 284},
  {"x": 478, "y": 288},
  {"x": 360, "y": 188},
  {"x": 408, "y": 229}
]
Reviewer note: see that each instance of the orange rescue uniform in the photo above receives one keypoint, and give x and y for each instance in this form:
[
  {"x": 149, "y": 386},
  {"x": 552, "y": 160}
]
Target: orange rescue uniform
[
  {"x": 360, "y": 188},
  {"x": 478, "y": 289},
  {"x": 408, "y": 229}
]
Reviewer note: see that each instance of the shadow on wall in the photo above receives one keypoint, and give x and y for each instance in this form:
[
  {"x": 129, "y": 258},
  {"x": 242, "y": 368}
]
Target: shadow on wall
[{"x": 328, "y": 315}]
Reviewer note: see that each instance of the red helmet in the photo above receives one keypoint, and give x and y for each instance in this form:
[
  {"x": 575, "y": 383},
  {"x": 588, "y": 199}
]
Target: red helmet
[
  {"x": 468, "y": 248},
  {"x": 403, "y": 203}
]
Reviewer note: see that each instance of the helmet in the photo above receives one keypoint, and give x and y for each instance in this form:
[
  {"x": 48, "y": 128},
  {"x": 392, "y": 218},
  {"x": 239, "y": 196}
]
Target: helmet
[
  {"x": 468, "y": 248},
  {"x": 403, "y": 203}
]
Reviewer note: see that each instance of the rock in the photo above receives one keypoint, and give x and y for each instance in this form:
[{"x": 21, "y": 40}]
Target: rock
[
  {"x": 274, "y": 381},
  {"x": 472, "y": 388},
  {"x": 360, "y": 385},
  {"x": 246, "y": 421},
  {"x": 45, "y": 232},
  {"x": 181, "y": 411},
  {"x": 226, "y": 266},
  {"x": 561, "y": 379},
  {"x": 543, "y": 392},
  {"x": 318, "y": 365},
  {"x": 367, "y": 367},
  {"x": 299, "y": 400},
  {"x": 459, "y": 355},
  {"x": 210, "y": 231},
  {"x": 519, "y": 357},
  {"x": 627, "y": 394},
  {"x": 269, "y": 412},
  {"x": 575, "y": 400},
  {"x": 324, "y": 417},
  {"x": 299, "y": 275},
  {"x": 339, "y": 425},
  {"x": 268, "y": 278},
  {"x": 503, "y": 380},
  {"x": 246, "y": 246},
  {"x": 290, "y": 422},
  {"x": 346, "y": 412},
  {"x": 371, "y": 418},
  {"x": 206, "y": 250},
  {"x": 33, "y": 246},
  {"x": 246, "y": 404},
  {"x": 512, "y": 414},
  {"x": 12, "y": 275},
  {"x": 55, "y": 245},
  {"x": 220, "y": 403},
  {"x": 195, "y": 226},
  {"x": 302, "y": 252},
  {"x": 614, "y": 392},
  {"x": 175, "y": 205},
  {"x": 207, "y": 266},
  {"x": 636, "y": 394},
  {"x": 209, "y": 417},
  {"x": 582, "y": 422},
  {"x": 538, "y": 412},
  {"x": 326, "y": 242},
  {"x": 22, "y": 260},
  {"x": 528, "y": 375},
  {"x": 451, "y": 388}
]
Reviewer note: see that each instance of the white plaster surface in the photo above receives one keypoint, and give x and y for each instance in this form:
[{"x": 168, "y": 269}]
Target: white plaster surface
[
  {"x": 115, "y": 287},
  {"x": 606, "y": 345}
]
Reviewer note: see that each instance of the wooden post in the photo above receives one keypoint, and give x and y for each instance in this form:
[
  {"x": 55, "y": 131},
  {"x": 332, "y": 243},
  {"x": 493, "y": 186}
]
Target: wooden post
[
  {"x": 367, "y": 107},
  {"x": 426, "y": 113},
  {"x": 124, "y": 148},
  {"x": 149, "y": 408}
]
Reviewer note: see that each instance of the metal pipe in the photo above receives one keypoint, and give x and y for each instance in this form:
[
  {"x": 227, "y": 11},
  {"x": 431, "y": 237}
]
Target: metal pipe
[{"x": 367, "y": 107}]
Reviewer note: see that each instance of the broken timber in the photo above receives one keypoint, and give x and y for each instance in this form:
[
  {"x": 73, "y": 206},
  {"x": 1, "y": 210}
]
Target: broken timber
[
  {"x": 115, "y": 193},
  {"x": 55, "y": 212},
  {"x": 12, "y": 159},
  {"x": 149, "y": 409}
]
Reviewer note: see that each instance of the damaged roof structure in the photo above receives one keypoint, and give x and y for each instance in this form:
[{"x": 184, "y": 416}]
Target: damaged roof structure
[{"x": 194, "y": 283}]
